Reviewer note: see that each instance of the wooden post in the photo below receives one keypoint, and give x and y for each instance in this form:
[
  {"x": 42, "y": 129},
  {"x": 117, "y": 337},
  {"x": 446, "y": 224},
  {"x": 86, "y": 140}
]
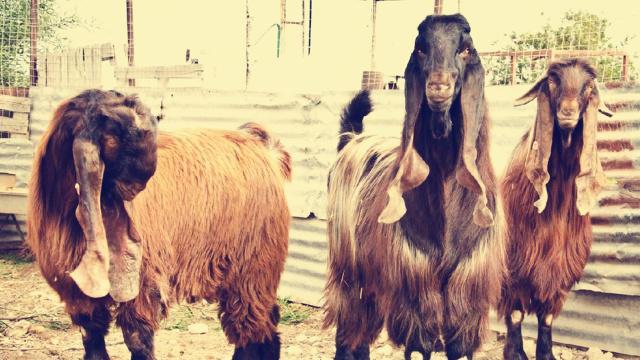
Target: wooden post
[
  {"x": 513, "y": 69},
  {"x": 130, "y": 42},
  {"x": 437, "y": 7},
  {"x": 374, "y": 7},
  {"x": 33, "y": 62},
  {"x": 625, "y": 67}
]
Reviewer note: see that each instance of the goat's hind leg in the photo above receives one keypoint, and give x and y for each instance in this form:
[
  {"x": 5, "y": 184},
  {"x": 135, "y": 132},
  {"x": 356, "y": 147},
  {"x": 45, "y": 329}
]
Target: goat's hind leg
[
  {"x": 544, "y": 343},
  {"x": 513, "y": 348},
  {"x": 94, "y": 326}
]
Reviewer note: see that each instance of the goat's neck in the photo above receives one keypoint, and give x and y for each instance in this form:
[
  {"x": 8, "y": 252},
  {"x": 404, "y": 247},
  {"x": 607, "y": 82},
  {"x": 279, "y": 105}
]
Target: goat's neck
[
  {"x": 564, "y": 163},
  {"x": 424, "y": 222}
]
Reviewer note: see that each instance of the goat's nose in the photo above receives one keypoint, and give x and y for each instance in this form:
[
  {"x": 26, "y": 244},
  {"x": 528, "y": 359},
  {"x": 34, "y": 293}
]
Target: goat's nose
[{"x": 569, "y": 110}]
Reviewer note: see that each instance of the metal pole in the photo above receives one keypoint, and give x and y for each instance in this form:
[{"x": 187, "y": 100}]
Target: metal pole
[
  {"x": 33, "y": 20},
  {"x": 130, "y": 42},
  {"x": 437, "y": 7},
  {"x": 310, "y": 19}
]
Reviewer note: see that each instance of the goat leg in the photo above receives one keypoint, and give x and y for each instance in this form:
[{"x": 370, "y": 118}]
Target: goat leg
[
  {"x": 513, "y": 349},
  {"x": 545, "y": 343},
  {"x": 94, "y": 327}
]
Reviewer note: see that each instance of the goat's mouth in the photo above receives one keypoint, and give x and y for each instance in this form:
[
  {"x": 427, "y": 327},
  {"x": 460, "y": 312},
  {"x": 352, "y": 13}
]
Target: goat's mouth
[
  {"x": 128, "y": 191},
  {"x": 567, "y": 122},
  {"x": 439, "y": 102}
]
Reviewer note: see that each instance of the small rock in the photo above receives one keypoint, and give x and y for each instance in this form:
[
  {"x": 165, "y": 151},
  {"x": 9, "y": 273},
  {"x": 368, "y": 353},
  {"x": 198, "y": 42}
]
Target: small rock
[
  {"x": 16, "y": 332},
  {"x": 55, "y": 341},
  {"x": 594, "y": 354},
  {"x": 36, "y": 329},
  {"x": 198, "y": 328},
  {"x": 294, "y": 350},
  {"x": 607, "y": 356},
  {"x": 386, "y": 350},
  {"x": 566, "y": 354},
  {"x": 23, "y": 324},
  {"x": 301, "y": 338},
  {"x": 314, "y": 339}
]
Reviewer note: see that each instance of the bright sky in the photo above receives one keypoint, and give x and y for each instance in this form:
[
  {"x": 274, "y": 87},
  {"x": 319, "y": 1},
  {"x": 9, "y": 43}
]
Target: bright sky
[{"x": 341, "y": 34}]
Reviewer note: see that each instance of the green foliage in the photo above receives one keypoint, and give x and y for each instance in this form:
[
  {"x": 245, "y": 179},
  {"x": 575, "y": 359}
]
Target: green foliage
[
  {"x": 579, "y": 31},
  {"x": 291, "y": 313},
  {"x": 15, "y": 36}
]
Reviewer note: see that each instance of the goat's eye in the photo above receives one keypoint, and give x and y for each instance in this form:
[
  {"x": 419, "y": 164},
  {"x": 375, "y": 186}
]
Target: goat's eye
[{"x": 421, "y": 55}]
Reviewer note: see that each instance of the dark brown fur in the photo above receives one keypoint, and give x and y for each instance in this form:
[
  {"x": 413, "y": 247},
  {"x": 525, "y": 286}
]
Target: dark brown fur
[{"x": 213, "y": 223}]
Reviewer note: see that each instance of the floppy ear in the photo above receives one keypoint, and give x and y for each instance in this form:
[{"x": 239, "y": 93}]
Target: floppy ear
[
  {"x": 473, "y": 113},
  {"x": 112, "y": 257},
  {"x": 539, "y": 144},
  {"x": 591, "y": 178},
  {"x": 410, "y": 170},
  {"x": 532, "y": 93}
]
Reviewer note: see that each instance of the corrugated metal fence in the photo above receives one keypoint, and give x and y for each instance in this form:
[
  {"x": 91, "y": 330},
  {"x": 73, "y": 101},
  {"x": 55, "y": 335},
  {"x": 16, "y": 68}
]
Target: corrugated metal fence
[{"x": 603, "y": 311}]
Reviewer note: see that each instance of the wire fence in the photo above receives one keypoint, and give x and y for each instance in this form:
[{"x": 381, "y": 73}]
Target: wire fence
[{"x": 267, "y": 45}]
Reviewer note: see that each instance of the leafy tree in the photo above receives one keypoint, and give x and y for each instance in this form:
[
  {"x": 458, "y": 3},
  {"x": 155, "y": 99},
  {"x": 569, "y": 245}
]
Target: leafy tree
[
  {"x": 579, "y": 31},
  {"x": 15, "y": 36}
]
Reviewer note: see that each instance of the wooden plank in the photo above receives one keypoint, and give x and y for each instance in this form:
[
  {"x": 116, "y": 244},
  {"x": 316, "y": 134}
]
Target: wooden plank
[
  {"x": 193, "y": 71},
  {"x": 13, "y": 202},
  {"x": 15, "y": 104}
]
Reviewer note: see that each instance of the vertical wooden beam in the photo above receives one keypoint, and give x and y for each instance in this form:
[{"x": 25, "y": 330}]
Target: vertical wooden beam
[
  {"x": 247, "y": 45},
  {"x": 130, "y": 40},
  {"x": 437, "y": 7},
  {"x": 374, "y": 10},
  {"x": 513, "y": 69},
  {"x": 33, "y": 61},
  {"x": 625, "y": 67}
]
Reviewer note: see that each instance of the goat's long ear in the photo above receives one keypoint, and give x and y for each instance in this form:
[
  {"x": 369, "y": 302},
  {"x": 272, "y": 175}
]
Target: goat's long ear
[
  {"x": 591, "y": 178},
  {"x": 532, "y": 93},
  {"x": 410, "y": 169},
  {"x": 473, "y": 113},
  {"x": 92, "y": 274},
  {"x": 539, "y": 145}
]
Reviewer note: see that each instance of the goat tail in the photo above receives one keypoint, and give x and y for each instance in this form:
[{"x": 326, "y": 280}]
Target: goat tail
[
  {"x": 352, "y": 116},
  {"x": 261, "y": 134}
]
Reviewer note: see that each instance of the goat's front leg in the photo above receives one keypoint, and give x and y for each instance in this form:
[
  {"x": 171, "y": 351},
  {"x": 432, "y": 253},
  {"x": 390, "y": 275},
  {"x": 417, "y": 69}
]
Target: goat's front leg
[
  {"x": 513, "y": 348},
  {"x": 137, "y": 320},
  {"x": 93, "y": 327},
  {"x": 545, "y": 343}
]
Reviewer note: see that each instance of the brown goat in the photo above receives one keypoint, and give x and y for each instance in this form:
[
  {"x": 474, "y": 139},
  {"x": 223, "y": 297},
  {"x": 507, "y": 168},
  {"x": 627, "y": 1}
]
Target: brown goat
[
  {"x": 548, "y": 189},
  {"x": 414, "y": 232},
  {"x": 212, "y": 223}
]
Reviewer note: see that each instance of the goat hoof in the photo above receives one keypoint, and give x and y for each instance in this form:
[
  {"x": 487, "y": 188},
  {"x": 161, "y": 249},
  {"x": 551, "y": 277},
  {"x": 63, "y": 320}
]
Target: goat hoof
[{"x": 545, "y": 356}]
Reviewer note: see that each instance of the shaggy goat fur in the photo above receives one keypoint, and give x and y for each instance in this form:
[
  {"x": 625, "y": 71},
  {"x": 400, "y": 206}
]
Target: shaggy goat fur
[
  {"x": 434, "y": 273},
  {"x": 213, "y": 224},
  {"x": 548, "y": 237}
]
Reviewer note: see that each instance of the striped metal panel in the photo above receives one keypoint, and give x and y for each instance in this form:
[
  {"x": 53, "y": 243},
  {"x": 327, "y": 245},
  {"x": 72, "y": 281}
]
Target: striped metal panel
[{"x": 307, "y": 125}]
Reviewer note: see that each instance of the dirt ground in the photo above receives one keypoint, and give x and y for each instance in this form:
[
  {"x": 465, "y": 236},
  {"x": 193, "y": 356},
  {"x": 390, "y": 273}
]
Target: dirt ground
[{"x": 33, "y": 326}]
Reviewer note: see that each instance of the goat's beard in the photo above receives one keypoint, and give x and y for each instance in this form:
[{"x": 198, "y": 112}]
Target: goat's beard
[{"x": 440, "y": 124}]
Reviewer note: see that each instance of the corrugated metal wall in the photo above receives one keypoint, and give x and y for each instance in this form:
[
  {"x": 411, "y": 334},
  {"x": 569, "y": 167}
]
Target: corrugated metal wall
[{"x": 602, "y": 313}]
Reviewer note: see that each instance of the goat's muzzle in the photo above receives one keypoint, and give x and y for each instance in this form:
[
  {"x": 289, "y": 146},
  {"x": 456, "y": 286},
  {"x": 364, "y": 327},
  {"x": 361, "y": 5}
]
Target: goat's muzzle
[{"x": 439, "y": 91}]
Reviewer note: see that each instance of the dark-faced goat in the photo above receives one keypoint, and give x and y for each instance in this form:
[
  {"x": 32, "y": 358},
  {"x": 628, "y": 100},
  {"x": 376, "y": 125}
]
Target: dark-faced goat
[{"x": 414, "y": 232}]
